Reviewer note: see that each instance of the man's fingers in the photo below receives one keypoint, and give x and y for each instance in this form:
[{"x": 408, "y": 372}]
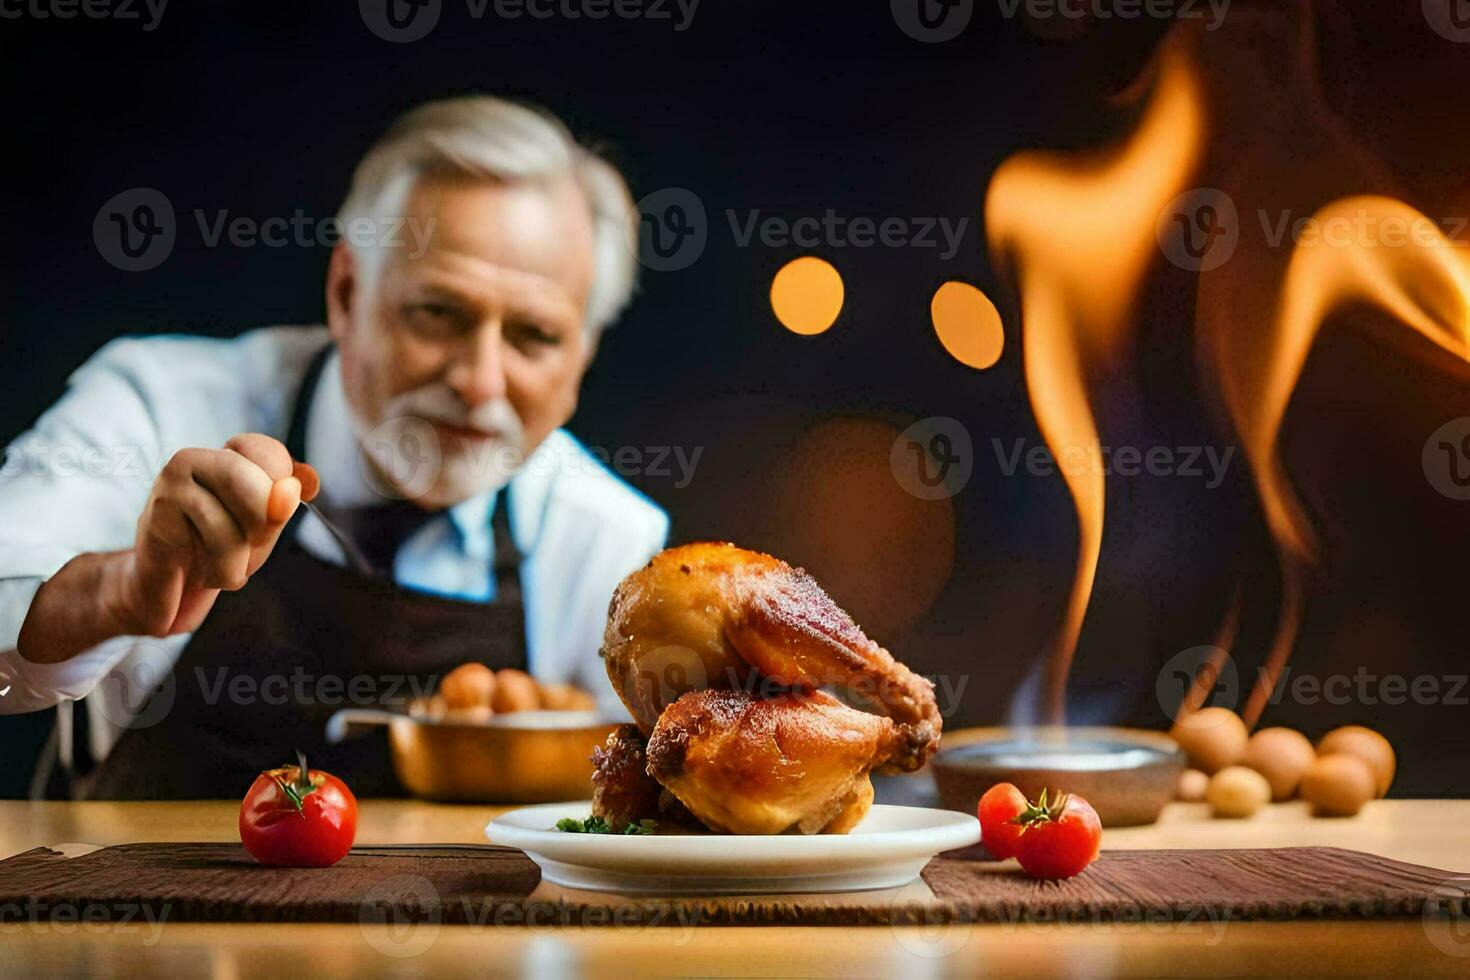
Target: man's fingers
[
  {"x": 223, "y": 554},
  {"x": 241, "y": 485},
  {"x": 311, "y": 484},
  {"x": 267, "y": 453},
  {"x": 227, "y": 507},
  {"x": 285, "y": 495}
]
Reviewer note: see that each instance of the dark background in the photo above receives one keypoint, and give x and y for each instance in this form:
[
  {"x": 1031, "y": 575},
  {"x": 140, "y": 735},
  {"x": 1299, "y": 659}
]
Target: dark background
[{"x": 790, "y": 109}]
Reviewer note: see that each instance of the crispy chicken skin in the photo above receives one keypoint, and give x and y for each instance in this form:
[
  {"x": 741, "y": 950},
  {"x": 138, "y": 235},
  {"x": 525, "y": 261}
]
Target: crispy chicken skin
[
  {"x": 622, "y": 790},
  {"x": 711, "y": 616},
  {"x": 746, "y": 764}
]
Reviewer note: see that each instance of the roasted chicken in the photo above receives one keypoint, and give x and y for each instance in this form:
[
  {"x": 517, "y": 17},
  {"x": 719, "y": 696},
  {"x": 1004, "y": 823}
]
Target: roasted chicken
[
  {"x": 725, "y": 658},
  {"x": 622, "y": 790}
]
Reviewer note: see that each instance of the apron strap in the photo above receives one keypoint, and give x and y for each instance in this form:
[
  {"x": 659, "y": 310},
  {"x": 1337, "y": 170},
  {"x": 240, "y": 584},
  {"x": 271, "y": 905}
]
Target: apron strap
[{"x": 301, "y": 410}]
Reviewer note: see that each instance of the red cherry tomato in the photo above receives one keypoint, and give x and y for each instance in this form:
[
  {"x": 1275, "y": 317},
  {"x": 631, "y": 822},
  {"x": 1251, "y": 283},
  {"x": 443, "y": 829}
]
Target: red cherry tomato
[
  {"x": 1058, "y": 839},
  {"x": 291, "y": 822},
  {"x": 999, "y": 807}
]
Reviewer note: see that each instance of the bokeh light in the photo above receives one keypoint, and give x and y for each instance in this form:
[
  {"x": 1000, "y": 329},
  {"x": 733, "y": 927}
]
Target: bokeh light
[
  {"x": 968, "y": 324},
  {"x": 806, "y": 295}
]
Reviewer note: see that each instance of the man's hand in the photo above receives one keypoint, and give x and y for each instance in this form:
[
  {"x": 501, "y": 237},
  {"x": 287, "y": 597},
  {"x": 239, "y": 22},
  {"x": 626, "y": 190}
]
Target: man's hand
[{"x": 211, "y": 521}]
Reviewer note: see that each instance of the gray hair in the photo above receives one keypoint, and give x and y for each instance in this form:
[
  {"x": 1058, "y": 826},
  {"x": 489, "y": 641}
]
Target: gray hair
[{"x": 482, "y": 136}]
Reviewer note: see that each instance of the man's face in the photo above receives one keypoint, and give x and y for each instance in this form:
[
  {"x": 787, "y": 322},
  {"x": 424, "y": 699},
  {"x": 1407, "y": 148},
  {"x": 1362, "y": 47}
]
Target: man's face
[{"x": 475, "y": 342}]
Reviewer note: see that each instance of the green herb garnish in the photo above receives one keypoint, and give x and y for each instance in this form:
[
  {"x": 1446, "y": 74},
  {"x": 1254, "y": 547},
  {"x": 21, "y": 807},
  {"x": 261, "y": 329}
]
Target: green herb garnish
[{"x": 597, "y": 825}]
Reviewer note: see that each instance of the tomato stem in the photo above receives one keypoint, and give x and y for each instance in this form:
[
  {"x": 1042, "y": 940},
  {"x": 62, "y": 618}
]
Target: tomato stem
[
  {"x": 298, "y": 789},
  {"x": 303, "y": 774},
  {"x": 1041, "y": 811}
]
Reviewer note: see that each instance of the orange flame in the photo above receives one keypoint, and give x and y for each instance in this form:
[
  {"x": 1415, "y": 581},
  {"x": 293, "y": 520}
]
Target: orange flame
[
  {"x": 1078, "y": 289},
  {"x": 1417, "y": 276},
  {"x": 1079, "y": 233}
]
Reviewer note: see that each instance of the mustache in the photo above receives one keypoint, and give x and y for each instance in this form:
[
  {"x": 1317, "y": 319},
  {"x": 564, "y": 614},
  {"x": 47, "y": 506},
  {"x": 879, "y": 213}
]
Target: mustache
[{"x": 439, "y": 403}]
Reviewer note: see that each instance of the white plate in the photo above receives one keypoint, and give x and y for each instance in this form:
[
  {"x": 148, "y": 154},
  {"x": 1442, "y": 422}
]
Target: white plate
[{"x": 888, "y": 849}]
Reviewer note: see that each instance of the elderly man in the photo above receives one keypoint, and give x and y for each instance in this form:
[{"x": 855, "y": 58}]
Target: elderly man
[{"x": 211, "y": 624}]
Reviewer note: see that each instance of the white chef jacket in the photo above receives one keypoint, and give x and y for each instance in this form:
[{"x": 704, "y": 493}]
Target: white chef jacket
[{"x": 78, "y": 481}]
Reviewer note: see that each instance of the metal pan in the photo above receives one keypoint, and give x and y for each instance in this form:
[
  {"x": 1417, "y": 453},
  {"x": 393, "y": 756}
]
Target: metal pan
[{"x": 524, "y": 757}]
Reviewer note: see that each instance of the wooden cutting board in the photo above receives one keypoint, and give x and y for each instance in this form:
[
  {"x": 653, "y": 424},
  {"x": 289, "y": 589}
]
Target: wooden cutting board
[{"x": 483, "y": 884}]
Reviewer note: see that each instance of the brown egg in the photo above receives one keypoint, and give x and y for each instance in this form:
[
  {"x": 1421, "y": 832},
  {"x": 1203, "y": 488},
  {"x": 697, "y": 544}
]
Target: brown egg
[
  {"x": 1282, "y": 755},
  {"x": 557, "y": 697},
  {"x": 1367, "y": 745},
  {"x": 1213, "y": 738},
  {"x": 432, "y": 707},
  {"x": 566, "y": 697},
  {"x": 515, "y": 690},
  {"x": 477, "y": 714},
  {"x": 1192, "y": 785},
  {"x": 468, "y": 686},
  {"x": 1236, "y": 791},
  {"x": 581, "y": 701},
  {"x": 1337, "y": 785}
]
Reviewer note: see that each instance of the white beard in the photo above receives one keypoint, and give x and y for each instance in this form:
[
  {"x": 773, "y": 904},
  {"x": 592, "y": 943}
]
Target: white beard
[{"x": 403, "y": 457}]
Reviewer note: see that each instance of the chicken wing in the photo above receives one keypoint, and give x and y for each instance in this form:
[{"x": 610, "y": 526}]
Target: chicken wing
[
  {"x": 713, "y": 616},
  {"x": 746, "y": 764}
]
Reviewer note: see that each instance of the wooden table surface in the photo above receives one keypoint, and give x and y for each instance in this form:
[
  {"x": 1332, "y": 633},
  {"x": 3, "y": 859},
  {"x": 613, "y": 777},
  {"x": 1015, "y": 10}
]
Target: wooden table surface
[{"x": 1429, "y": 832}]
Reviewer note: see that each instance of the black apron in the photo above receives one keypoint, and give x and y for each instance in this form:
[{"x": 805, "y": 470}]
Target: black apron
[{"x": 304, "y": 638}]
